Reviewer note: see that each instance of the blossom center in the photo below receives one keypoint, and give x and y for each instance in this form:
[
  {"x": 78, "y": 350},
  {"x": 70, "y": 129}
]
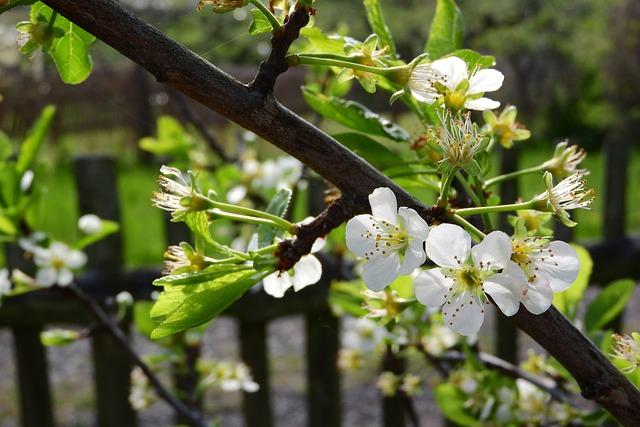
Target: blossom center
[{"x": 388, "y": 238}]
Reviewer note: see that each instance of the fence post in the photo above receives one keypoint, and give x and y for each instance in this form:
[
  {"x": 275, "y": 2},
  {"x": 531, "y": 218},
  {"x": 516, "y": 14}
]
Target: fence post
[
  {"x": 253, "y": 345},
  {"x": 616, "y": 156},
  {"x": 506, "y": 330},
  {"x": 393, "y": 408},
  {"x": 185, "y": 375},
  {"x": 31, "y": 361},
  {"x": 97, "y": 193}
]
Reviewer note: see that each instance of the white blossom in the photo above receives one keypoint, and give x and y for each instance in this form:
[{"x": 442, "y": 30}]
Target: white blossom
[
  {"x": 176, "y": 195},
  {"x": 90, "y": 224},
  {"x": 565, "y": 161},
  {"x": 549, "y": 267},
  {"x": 307, "y": 271},
  {"x": 26, "y": 180},
  {"x": 466, "y": 275},
  {"x": 439, "y": 339},
  {"x": 5, "y": 283},
  {"x": 391, "y": 240},
  {"x": 627, "y": 348},
  {"x": 55, "y": 264},
  {"x": 568, "y": 194},
  {"x": 459, "y": 139},
  {"x": 239, "y": 379},
  {"x": 449, "y": 79},
  {"x": 532, "y": 402}
]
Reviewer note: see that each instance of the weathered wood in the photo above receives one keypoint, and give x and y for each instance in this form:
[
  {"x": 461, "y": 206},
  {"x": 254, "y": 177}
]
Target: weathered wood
[
  {"x": 323, "y": 379},
  {"x": 616, "y": 154},
  {"x": 506, "y": 330},
  {"x": 97, "y": 194},
  {"x": 31, "y": 359},
  {"x": 393, "y": 408},
  {"x": 253, "y": 345},
  {"x": 33, "y": 378}
]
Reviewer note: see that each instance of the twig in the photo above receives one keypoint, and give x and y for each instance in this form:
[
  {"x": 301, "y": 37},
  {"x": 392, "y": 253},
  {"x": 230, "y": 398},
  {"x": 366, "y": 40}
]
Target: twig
[
  {"x": 192, "y": 117},
  {"x": 174, "y": 64},
  {"x": 281, "y": 41},
  {"x": 193, "y": 418}
]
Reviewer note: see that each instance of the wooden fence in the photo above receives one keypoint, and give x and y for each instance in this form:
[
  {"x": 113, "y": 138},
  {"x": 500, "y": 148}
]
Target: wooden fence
[{"x": 615, "y": 256}]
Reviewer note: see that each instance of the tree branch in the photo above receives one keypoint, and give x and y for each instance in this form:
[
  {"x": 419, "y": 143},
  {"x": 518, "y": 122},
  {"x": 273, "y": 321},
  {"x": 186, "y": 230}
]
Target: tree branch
[
  {"x": 192, "y": 417},
  {"x": 179, "y": 67}
]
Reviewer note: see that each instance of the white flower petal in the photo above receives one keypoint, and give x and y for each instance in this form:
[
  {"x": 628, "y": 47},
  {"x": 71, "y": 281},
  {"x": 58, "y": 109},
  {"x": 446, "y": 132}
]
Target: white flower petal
[
  {"x": 448, "y": 245},
  {"x": 453, "y": 68},
  {"x": 65, "y": 277},
  {"x": 318, "y": 245},
  {"x": 493, "y": 252},
  {"x": 384, "y": 205},
  {"x": 464, "y": 313},
  {"x": 481, "y": 104},
  {"x": 507, "y": 288},
  {"x": 360, "y": 234},
  {"x": 538, "y": 296},
  {"x": 253, "y": 243},
  {"x": 431, "y": 287},
  {"x": 487, "y": 80},
  {"x": 381, "y": 270},
  {"x": 416, "y": 227},
  {"x": 562, "y": 268},
  {"x": 277, "y": 284},
  {"x": 306, "y": 272},
  {"x": 46, "y": 276},
  {"x": 76, "y": 259},
  {"x": 414, "y": 257},
  {"x": 420, "y": 83}
]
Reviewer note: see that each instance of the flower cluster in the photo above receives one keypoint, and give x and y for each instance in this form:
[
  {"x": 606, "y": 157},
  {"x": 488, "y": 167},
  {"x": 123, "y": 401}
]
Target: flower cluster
[{"x": 507, "y": 270}]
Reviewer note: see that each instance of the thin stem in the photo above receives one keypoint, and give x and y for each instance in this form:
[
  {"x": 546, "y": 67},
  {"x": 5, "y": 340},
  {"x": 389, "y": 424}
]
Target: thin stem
[
  {"x": 266, "y": 249},
  {"x": 507, "y": 176},
  {"x": 483, "y": 202},
  {"x": 275, "y": 24},
  {"x": 479, "y": 235},
  {"x": 500, "y": 208},
  {"x": 446, "y": 186},
  {"x": 280, "y": 222},
  {"x": 194, "y": 418},
  {"x": 332, "y": 61},
  {"x": 242, "y": 218},
  {"x": 52, "y": 21},
  {"x": 468, "y": 189}
]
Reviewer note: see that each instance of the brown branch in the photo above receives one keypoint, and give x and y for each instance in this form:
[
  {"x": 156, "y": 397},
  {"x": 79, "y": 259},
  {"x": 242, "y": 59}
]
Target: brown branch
[
  {"x": 182, "y": 69},
  {"x": 281, "y": 41},
  {"x": 192, "y": 417}
]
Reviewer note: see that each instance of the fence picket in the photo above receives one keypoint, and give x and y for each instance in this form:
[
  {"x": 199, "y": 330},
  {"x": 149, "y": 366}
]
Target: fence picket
[
  {"x": 253, "y": 345},
  {"x": 97, "y": 193}
]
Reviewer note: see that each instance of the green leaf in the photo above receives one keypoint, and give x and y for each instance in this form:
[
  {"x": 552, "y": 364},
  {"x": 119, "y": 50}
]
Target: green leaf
[
  {"x": 474, "y": 59},
  {"x": 608, "y": 304},
  {"x": 58, "y": 337},
  {"x": 447, "y": 30},
  {"x": 318, "y": 42},
  {"x": 7, "y": 227},
  {"x": 35, "y": 138},
  {"x": 206, "y": 303},
  {"x": 277, "y": 206},
  {"x": 451, "y": 401},
  {"x": 372, "y": 151},
  {"x": 107, "y": 229},
  {"x": 569, "y": 300},
  {"x": 172, "y": 139},
  {"x": 142, "y": 318},
  {"x": 70, "y": 50},
  {"x": 353, "y": 115},
  {"x": 207, "y": 275},
  {"x": 379, "y": 26},
  {"x": 260, "y": 24}
]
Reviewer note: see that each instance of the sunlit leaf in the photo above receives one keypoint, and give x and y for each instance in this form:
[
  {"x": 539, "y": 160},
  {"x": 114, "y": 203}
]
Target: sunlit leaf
[
  {"x": 447, "y": 29},
  {"x": 277, "y": 206},
  {"x": 608, "y": 304},
  {"x": 379, "y": 26}
]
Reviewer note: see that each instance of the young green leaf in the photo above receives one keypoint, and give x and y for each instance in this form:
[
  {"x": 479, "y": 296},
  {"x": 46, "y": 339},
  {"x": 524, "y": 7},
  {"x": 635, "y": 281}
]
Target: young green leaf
[
  {"x": 379, "y": 26},
  {"x": 451, "y": 402},
  {"x": 372, "y": 151},
  {"x": 35, "y": 138},
  {"x": 259, "y": 24},
  {"x": 198, "y": 222},
  {"x": 207, "y": 275},
  {"x": 608, "y": 304},
  {"x": 447, "y": 30},
  {"x": 277, "y": 206},
  {"x": 353, "y": 115},
  {"x": 474, "y": 59},
  {"x": 206, "y": 303}
]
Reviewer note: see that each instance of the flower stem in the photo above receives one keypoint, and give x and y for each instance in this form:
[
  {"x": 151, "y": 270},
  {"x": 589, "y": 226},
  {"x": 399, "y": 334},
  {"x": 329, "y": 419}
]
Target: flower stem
[
  {"x": 52, "y": 21},
  {"x": 500, "y": 208},
  {"x": 483, "y": 202},
  {"x": 507, "y": 176},
  {"x": 266, "y": 250},
  {"x": 275, "y": 24},
  {"x": 242, "y": 218},
  {"x": 341, "y": 61},
  {"x": 280, "y": 222},
  {"x": 446, "y": 186},
  {"x": 477, "y": 234}
]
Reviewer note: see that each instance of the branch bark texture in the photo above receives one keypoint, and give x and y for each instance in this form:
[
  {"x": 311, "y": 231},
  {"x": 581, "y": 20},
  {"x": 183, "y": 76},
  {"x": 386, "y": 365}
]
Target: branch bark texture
[{"x": 253, "y": 108}]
